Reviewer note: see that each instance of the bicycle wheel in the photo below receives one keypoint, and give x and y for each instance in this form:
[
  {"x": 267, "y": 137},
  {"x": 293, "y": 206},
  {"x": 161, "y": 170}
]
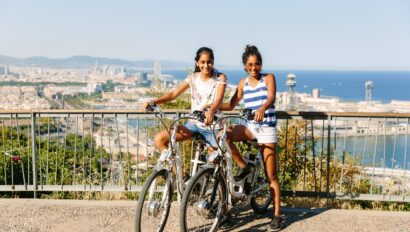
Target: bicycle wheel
[
  {"x": 203, "y": 202},
  {"x": 261, "y": 199},
  {"x": 154, "y": 203}
]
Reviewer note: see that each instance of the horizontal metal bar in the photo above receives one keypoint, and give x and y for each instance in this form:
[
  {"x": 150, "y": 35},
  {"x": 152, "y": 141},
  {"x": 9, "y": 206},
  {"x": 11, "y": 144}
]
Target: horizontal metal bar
[
  {"x": 70, "y": 188},
  {"x": 347, "y": 196},
  {"x": 302, "y": 194},
  {"x": 280, "y": 114},
  {"x": 19, "y": 188},
  {"x": 372, "y": 197}
]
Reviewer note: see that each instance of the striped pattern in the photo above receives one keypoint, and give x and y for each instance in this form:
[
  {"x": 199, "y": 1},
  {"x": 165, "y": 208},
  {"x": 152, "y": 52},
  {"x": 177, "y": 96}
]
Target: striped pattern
[
  {"x": 263, "y": 133},
  {"x": 254, "y": 97}
]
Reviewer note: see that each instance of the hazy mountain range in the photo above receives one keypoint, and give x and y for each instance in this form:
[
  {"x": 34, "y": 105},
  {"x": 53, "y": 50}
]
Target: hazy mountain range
[{"x": 88, "y": 61}]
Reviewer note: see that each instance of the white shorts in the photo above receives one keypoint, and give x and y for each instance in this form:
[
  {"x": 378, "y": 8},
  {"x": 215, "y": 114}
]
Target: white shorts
[{"x": 262, "y": 132}]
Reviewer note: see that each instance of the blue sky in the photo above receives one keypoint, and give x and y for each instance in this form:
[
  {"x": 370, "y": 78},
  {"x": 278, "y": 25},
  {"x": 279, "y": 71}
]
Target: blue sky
[{"x": 349, "y": 34}]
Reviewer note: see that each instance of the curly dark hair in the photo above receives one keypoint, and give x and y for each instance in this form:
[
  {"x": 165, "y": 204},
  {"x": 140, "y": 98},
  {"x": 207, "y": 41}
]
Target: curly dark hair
[{"x": 251, "y": 50}]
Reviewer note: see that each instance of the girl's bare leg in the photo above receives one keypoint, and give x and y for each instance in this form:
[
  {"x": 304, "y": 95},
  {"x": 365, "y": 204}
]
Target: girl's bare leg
[
  {"x": 234, "y": 134},
  {"x": 269, "y": 157},
  {"x": 161, "y": 140}
]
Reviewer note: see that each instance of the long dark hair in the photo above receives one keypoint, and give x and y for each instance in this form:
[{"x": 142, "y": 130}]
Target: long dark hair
[
  {"x": 251, "y": 50},
  {"x": 199, "y": 53}
]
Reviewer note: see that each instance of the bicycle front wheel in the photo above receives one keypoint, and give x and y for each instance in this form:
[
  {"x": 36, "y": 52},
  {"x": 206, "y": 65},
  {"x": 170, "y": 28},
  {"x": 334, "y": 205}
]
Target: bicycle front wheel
[
  {"x": 154, "y": 202},
  {"x": 203, "y": 202}
]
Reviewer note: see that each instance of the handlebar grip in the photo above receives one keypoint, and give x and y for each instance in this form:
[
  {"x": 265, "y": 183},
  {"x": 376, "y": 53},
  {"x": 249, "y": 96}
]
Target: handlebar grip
[
  {"x": 248, "y": 114},
  {"x": 200, "y": 115},
  {"x": 151, "y": 107}
]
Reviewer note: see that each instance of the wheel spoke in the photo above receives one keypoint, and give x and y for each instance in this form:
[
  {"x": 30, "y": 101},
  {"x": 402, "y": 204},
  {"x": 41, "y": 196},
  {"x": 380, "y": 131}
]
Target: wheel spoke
[
  {"x": 198, "y": 211},
  {"x": 154, "y": 203}
]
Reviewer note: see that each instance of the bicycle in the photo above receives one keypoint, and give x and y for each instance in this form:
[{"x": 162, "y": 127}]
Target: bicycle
[
  {"x": 157, "y": 193},
  {"x": 213, "y": 187}
]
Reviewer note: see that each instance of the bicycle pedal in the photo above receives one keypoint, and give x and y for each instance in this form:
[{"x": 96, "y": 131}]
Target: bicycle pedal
[{"x": 241, "y": 203}]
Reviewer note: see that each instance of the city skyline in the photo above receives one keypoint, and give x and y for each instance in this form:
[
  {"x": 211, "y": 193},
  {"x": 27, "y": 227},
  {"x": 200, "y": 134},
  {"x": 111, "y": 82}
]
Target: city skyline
[{"x": 365, "y": 35}]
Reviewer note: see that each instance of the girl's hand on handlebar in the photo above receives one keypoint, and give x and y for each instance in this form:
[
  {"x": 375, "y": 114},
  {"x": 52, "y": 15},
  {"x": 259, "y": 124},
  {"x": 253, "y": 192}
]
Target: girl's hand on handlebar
[
  {"x": 147, "y": 105},
  {"x": 209, "y": 116},
  {"x": 259, "y": 114}
]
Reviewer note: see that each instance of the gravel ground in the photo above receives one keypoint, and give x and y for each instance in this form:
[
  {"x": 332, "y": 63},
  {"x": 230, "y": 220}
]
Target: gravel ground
[{"x": 80, "y": 215}]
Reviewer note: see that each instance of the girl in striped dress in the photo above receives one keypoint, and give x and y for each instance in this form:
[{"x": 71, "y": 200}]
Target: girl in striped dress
[{"x": 258, "y": 91}]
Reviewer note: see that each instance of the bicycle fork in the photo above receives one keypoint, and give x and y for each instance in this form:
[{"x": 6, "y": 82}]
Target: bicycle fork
[
  {"x": 204, "y": 205},
  {"x": 154, "y": 206}
]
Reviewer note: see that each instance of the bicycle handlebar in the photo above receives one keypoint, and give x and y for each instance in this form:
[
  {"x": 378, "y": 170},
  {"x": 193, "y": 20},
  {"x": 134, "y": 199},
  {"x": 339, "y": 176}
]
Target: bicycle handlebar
[
  {"x": 200, "y": 115},
  {"x": 197, "y": 114},
  {"x": 246, "y": 114}
]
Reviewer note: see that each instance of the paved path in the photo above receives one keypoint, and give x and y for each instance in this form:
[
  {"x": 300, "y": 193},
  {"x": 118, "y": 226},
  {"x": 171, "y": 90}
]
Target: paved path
[{"x": 75, "y": 215}]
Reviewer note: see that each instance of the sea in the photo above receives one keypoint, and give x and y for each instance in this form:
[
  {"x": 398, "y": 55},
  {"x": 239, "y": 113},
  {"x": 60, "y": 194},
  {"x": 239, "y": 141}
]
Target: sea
[{"x": 346, "y": 85}]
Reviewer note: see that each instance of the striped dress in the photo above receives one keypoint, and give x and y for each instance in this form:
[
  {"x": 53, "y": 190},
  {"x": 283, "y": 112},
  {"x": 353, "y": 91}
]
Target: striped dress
[{"x": 254, "y": 97}]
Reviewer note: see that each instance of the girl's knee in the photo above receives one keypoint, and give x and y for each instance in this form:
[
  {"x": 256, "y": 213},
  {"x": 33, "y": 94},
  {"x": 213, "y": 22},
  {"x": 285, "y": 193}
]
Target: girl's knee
[
  {"x": 160, "y": 139},
  {"x": 219, "y": 135}
]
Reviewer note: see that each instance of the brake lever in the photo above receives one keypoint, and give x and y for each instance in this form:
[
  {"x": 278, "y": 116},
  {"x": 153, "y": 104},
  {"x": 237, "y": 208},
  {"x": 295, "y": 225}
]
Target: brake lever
[
  {"x": 248, "y": 114},
  {"x": 200, "y": 115},
  {"x": 150, "y": 107}
]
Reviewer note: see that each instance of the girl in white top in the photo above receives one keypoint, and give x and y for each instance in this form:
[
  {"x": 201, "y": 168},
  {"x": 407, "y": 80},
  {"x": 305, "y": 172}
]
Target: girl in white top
[{"x": 207, "y": 87}]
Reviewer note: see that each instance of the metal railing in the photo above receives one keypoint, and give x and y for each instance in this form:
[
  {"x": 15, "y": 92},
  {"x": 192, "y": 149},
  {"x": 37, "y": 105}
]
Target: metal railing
[{"x": 322, "y": 154}]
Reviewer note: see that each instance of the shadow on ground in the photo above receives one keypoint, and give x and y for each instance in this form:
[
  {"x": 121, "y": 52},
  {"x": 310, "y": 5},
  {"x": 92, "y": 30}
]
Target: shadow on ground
[{"x": 245, "y": 219}]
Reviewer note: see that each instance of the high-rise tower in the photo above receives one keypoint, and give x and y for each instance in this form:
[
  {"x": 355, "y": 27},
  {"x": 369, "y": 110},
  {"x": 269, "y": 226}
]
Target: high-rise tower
[
  {"x": 157, "y": 68},
  {"x": 157, "y": 73}
]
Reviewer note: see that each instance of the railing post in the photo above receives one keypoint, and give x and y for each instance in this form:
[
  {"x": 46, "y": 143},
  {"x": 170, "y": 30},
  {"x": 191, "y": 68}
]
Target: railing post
[
  {"x": 33, "y": 139},
  {"x": 179, "y": 197},
  {"x": 329, "y": 127}
]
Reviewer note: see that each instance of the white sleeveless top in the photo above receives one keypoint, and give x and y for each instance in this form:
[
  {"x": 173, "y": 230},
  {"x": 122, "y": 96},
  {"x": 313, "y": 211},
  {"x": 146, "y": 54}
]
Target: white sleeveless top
[{"x": 202, "y": 92}]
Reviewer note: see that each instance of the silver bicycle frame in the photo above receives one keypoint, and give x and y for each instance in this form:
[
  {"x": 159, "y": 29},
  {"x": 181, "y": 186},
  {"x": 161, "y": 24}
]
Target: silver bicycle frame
[
  {"x": 173, "y": 158},
  {"x": 228, "y": 158},
  {"x": 231, "y": 183}
]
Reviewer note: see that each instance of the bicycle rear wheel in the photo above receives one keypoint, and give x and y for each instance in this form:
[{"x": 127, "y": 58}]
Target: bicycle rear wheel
[
  {"x": 262, "y": 198},
  {"x": 154, "y": 203},
  {"x": 203, "y": 202}
]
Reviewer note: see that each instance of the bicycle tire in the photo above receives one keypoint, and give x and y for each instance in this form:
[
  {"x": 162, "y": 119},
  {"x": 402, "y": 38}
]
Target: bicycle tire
[
  {"x": 200, "y": 181},
  {"x": 141, "y": 206},
  {"x": 261, "y": 200}
]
